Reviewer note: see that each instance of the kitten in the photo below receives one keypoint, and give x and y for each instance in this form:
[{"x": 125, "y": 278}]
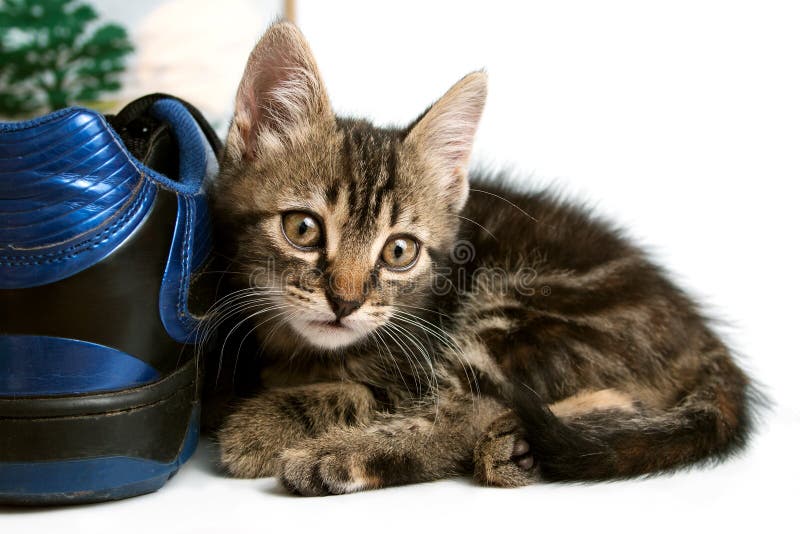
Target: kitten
[{"x": 415, "y": 328}]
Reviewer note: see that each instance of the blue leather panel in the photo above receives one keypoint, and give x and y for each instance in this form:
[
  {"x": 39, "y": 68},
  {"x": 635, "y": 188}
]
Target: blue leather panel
[
  {"x": 91, "y": 479},
  {"x": 42, "y": 365},
  {"x": 70, "y": 193}
]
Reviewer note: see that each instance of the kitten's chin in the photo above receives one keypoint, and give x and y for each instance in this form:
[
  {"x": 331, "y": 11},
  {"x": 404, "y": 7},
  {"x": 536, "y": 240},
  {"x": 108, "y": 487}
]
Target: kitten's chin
[{"x": 327, "y": 335}]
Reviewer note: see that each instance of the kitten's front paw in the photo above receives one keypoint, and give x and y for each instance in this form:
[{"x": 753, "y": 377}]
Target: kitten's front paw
[
  {"x": 502, "y": 456},
  {"x": 315, "y": 470},
  {"x": 242, "y": 458},
  {"x": 249, "y": 445}
]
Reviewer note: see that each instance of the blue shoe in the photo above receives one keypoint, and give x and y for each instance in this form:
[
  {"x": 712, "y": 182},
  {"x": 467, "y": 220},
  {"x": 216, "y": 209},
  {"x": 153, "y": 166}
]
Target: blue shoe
[{"x": 103, "y": 222}]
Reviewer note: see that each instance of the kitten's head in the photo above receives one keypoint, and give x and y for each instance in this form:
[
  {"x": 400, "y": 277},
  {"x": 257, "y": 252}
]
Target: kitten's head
[{"x": 337, "y": 221}]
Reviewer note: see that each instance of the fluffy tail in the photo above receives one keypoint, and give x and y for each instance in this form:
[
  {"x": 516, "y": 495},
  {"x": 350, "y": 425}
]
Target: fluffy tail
[{"x": 709, "y": 422}]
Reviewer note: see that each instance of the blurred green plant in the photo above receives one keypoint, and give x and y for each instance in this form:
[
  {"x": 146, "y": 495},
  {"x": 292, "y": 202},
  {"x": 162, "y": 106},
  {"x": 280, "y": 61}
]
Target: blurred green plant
[{"x": 52, "y": 56}]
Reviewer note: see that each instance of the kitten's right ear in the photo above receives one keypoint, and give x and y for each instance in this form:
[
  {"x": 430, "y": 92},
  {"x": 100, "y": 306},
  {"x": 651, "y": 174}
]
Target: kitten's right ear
[{"x": 281, "y": 94}]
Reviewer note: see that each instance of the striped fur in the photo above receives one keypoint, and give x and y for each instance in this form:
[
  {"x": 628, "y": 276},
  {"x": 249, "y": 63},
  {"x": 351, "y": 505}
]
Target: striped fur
[{"x": 530, "y": 340}]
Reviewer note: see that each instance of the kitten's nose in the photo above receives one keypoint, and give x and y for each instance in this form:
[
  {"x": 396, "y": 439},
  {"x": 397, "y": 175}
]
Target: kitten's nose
[{"x": 341, "y": 307}]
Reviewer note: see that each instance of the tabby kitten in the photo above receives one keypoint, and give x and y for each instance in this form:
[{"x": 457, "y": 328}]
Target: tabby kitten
[{"x": 415, "y": 328}]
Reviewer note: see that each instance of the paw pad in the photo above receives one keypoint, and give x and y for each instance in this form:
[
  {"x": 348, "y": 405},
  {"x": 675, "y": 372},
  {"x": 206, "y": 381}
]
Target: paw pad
[{"x": 503, "y": 457}]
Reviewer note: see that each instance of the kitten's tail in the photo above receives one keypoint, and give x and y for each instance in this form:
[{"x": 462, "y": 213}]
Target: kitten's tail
[{"x": 709, "y": 422}]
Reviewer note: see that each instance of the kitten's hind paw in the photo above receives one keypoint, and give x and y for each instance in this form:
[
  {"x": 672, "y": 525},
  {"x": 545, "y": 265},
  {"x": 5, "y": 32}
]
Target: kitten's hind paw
[{"x": 502, "y": 456}]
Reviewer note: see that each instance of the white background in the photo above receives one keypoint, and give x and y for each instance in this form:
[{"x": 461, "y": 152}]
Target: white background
[{"x": 679, "y": 119}]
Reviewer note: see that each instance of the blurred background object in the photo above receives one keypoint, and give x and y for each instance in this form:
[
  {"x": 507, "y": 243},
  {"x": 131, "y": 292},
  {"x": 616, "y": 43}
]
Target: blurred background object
[
  {"x": 105, "y": 53},
  {"x": 195, "y": 49},
  {"x": 54, "y": 53}
]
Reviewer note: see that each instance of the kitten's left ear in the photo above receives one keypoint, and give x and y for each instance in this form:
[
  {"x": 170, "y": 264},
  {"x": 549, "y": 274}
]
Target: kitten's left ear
[{"x": 442, "y": 137}]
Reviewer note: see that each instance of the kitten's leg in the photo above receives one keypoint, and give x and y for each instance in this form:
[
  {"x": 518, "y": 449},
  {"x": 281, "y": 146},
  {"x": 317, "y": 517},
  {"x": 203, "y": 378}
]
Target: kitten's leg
[
  {"x": 261, "y": 427},
  {"x": 395, "y": 449},
  {"x": 503, "y": 457}
]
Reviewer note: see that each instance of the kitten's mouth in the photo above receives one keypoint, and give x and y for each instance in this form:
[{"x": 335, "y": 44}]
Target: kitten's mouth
[
  {"x": 335, "y": 324},
  {"x": 328, "y": 333}
]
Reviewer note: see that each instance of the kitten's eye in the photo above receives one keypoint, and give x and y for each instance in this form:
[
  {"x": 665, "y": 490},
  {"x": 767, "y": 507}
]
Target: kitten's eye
[
  {"x": 400, "y": 253},
  {"x": 302, "y": 230}
]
